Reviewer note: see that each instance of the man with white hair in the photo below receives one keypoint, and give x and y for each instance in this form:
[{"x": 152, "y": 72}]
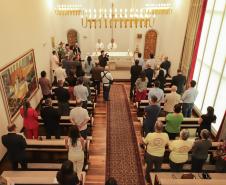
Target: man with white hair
[
  {"x": 107, "y": 80},
  {"x": 171, "y": 100}
]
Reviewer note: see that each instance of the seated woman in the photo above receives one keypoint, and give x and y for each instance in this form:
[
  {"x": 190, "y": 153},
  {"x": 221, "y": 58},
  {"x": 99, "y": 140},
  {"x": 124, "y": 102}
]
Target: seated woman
[
  {"x": 75, "y": 145},
  {"x": 179, "y": 151},
  {"x": 200, "y": 151},
  {"x": 173, "y": 122},
  {"x": 66, "y": 175},
  {"x": 141, "y": 87},
  {"x": 206, "y": 120}
]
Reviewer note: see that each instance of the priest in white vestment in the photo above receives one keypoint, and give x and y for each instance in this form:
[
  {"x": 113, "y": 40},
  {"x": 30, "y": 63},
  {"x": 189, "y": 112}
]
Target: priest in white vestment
[
  {"x": 112, "y": 45},
  {"x": 99, "y": 45}
]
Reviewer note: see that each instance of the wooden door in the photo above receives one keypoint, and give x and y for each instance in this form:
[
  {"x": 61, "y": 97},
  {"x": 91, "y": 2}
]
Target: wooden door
[
  {"x": 150, "y": 43},
  {"x": 72, "y": 37}
]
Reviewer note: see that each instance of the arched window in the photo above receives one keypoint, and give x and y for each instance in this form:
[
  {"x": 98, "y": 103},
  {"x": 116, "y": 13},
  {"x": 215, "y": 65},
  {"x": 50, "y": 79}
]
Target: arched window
[{"x": 150, "y": 43}]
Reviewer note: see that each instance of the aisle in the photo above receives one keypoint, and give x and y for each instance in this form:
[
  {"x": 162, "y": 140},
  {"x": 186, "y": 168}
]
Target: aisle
[{"x": 122, "y": 160}]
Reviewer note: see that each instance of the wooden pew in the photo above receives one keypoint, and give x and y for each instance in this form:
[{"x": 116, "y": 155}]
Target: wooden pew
[
  {"x": 142, "y": 104},
  {"x": 208, "y": 166},
  {"x": 72, "y": 104},
  {"x": 175, "y": 178},
  {"x": 48, "y": 154},
  {"x": 93, "y": 92},
  {"x": 65, "y": 125},
  {"x": 34, "y": 177},
  {"x": 186, "y": 123}
]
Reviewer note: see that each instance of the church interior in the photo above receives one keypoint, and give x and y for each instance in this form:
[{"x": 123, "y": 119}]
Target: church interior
[{"x": 112, "y": 92}]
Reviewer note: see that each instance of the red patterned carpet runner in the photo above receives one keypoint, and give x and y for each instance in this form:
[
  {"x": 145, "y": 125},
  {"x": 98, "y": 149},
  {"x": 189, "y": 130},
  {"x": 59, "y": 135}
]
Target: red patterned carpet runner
[{"x": 123, "y": 162}]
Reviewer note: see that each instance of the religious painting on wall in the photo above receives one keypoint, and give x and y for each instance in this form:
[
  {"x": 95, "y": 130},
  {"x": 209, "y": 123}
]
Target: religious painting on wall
[{"x": 18, "y": 82}]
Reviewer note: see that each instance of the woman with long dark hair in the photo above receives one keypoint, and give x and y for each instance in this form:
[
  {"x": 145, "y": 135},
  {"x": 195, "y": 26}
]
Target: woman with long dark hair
[
  {"x": 206, "y": 120},
  {"x": 30, "y": 119},
  {"x": 75, "y": 145},
  {"x": 67, "y": 175},
  {"x": 161, "y": 78}
]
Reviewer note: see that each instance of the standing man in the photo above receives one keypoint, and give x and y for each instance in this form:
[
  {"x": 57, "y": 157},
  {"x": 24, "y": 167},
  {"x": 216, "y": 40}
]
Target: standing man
[
  {"x": 99, "y": 45},
  {"x": 96, "y": 76},
  {"x": 15, "y": 145},
  {"x": 156, "y": 143},
  {"x": 149, "y": 74},
  {"x": 51, "y": 119},
  {"x": 135, "y": 71},
  {"x": 166, "y": 65},
  {"x": 107, "y": 80},
  {"x": 103, "y": 59},
  {"x": 80, "y": 117},
  {"x": 81, "y": 92},
  {"x": 45, "y": 85},
  {"x": 171, "y": 100},
  {"x": 63, "y": 97},
  {"x": 141, "y": 61},
  {"x": 76, "y": 49},
  {"x": 156, "y": 91},
  {"x": 179, "y": 80},
  {"x": 60, "y": 73},
  {"x": 188, "y": 99},
  {"x": 152, "y": 112},
  {"x": 54, "y": 61}
]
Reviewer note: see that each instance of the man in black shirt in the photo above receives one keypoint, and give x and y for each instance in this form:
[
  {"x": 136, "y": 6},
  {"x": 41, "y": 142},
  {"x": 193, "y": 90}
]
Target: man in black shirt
[
  {"x": 149, "y": 74},
  {"x": 152, "y": 112},
  {"x": 51, "y": 119},
  {"x": 63, "y": 97},
  {"x": 103, "y": 59},
  {"x": 76, "y": 49},
  {"x": 15, "y": 145},
  {"x": 166, "y": 65},
  {"x": 179, "y": 80},
  {"x": 135, "y": 71}
]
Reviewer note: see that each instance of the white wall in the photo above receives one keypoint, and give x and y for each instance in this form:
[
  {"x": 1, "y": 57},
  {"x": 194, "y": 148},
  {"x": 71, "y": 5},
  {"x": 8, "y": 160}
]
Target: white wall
[
  {"x": 24, "y": 24},
  {"x": 170, "y": 28},
  {"x": 27, "y": 24}
]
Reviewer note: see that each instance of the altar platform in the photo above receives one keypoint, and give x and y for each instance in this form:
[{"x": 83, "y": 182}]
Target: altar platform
[{"x": 119, "y": 64}]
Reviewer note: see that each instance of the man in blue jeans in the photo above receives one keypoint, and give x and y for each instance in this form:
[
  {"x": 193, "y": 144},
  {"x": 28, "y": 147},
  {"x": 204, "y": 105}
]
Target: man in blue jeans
[
  {"x": 107, "y": 80},
  {"x": 188, "y": 99}
]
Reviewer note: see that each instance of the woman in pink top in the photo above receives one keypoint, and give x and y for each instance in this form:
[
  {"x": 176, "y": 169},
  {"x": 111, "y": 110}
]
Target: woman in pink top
[{"x": 30, "y": 117}]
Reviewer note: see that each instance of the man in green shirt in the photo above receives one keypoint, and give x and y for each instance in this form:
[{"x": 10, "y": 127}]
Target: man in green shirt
[{"x": 173, "y": 122}]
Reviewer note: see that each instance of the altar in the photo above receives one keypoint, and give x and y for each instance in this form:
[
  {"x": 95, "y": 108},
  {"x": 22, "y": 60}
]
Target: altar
[{"x": 117, "y": 60}]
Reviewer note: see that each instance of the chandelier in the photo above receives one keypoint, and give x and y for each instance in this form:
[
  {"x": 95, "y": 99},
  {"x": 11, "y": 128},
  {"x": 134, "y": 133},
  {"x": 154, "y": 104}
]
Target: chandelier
[{"x": 114, "y": 17}]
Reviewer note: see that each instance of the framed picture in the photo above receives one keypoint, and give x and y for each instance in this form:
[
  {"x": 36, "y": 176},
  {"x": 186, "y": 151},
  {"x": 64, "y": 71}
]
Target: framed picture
[{"x": 19, "y": 81}]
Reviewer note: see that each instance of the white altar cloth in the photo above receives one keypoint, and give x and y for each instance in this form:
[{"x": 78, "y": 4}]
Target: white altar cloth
[{"x": 117, "y": 59}]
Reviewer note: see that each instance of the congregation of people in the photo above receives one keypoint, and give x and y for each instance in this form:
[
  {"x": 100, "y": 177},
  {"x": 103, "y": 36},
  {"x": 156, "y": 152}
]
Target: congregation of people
[
  {"x": 148, "y": 82},
  {"x": 72, "y": 80}
]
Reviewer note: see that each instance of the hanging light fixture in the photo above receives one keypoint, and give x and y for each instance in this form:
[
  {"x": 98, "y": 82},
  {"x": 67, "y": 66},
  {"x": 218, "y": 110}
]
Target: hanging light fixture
[{"x": 118, "y": 18}]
